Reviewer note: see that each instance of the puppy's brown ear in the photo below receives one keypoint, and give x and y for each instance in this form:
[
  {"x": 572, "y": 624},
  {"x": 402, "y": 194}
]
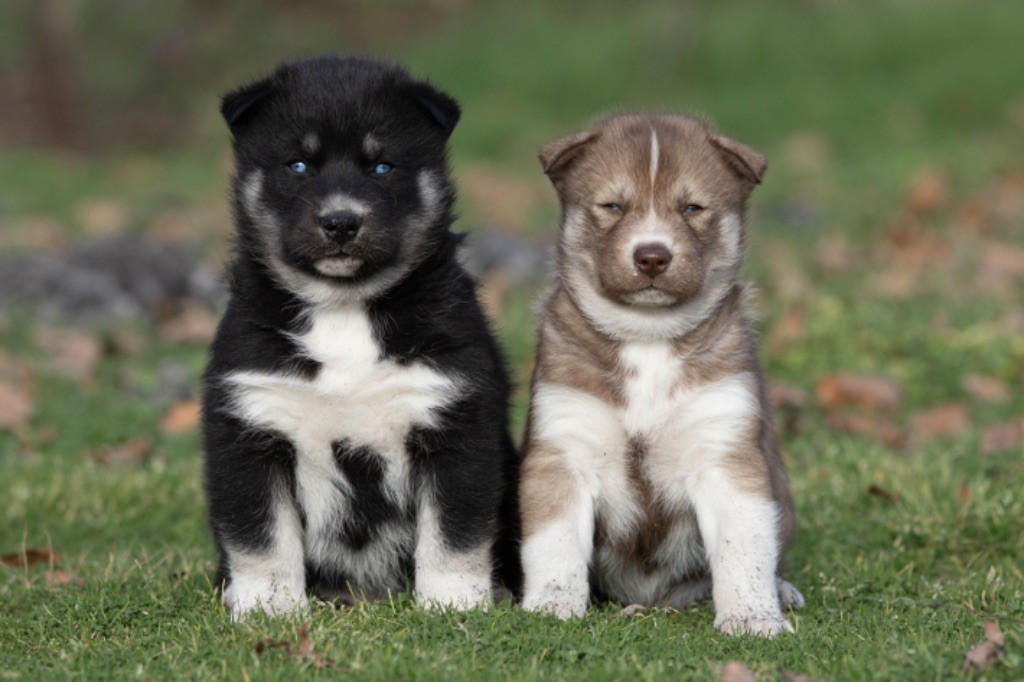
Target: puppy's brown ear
[
  {"x": 556, "y": 156},
  {"x": 750, "y": 165}
]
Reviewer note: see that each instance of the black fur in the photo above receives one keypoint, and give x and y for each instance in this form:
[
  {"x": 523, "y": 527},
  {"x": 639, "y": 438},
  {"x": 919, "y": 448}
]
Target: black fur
[{"x": 427, "y": 314}]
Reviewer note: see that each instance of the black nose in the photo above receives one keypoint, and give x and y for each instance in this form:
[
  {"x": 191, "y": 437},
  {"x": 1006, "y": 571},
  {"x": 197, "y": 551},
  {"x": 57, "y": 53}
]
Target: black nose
[
  {"x": 652, "y": 259},
  {"x": 341, "y": 226}
]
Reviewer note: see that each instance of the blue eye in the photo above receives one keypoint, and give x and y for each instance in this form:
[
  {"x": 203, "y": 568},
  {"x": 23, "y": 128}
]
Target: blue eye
[
  {"x": 298, "y": 167},
  {"x": 382, "y": 168},
  {"x": 693, "y": 208},
  {"x": 617, "y": 208}
]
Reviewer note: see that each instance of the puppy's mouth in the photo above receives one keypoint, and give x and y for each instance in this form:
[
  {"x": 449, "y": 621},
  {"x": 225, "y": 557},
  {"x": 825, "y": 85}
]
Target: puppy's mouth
[
  {"x": 650, "y": 296},
  {"x": 338, "y": 266}
]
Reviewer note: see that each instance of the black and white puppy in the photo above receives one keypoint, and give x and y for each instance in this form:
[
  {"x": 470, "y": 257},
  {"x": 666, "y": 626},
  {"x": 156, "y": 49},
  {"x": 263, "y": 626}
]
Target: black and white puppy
[{"x": 355, "y": 402}]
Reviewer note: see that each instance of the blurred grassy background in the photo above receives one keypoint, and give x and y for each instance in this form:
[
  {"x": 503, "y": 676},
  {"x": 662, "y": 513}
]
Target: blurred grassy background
[{"x": 887, "y": 242}]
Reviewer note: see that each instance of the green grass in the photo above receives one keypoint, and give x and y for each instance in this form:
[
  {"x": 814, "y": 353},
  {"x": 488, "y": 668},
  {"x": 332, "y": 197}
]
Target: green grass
[{"x": 896, "y": 588}]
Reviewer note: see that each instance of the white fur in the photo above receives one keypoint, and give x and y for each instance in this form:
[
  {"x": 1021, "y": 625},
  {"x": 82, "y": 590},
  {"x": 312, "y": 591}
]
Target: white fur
[
  {"x": 344, "y": 266},
  {"x": 740, "y": 533},
  {"x": 338, "y": 202},
  {"x": 310, "y": 144},
  {"x": 357, "y": 397},
  {"x": 371, "y": 146},
  {"x": 314, "y": 290},
  {"x": 689, "y": 434},
  {"x": 557, "y": 560},
  {"x": 446, "y": 578},
  {"x": 655, "y": 154},
  {"x": 274, "y": 580}
]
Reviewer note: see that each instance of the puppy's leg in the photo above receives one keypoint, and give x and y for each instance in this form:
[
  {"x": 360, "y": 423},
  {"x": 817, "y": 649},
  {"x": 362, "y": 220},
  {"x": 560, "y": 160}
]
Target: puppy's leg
[
  {"x": 462, "y": 481},
  {"x": 571, "y": 434},
  {"x": 558, "y": 536},
  {"x": 740, "y": 533},
  {"x": 257, "y": 528},
  {"x": 447, "y": 576}
]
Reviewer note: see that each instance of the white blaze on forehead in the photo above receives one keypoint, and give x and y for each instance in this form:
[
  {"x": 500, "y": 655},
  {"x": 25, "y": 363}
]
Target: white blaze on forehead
[
  {"x": 310, "y": 144},
  {"x": 336, "y": 203},
  {"x": 655, "y": 158}
]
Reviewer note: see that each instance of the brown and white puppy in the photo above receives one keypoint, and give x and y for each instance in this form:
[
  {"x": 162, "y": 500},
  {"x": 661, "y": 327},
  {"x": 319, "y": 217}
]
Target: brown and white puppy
[{"x": 652, "y": 472}]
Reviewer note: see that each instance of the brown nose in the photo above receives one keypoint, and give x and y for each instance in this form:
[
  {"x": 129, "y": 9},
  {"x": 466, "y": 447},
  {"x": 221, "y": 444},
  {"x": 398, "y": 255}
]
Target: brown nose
[{"x": 652, "y": 259}]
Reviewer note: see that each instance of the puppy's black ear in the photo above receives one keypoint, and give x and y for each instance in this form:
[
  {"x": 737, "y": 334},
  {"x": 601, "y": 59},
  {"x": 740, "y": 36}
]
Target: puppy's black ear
[
  {"x": 235, "y": 105},
  {"x": 748, "y": 164},
  {"x": 556, "y": 156},
  {"x": 441, "y": 106}
]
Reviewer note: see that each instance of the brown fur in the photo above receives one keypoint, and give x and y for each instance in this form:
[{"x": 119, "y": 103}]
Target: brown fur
[{"x": 610, "y": 163}]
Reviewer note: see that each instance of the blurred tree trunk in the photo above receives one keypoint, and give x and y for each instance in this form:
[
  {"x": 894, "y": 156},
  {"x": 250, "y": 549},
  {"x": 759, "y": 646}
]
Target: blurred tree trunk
[{"x": 51, "y": 85}]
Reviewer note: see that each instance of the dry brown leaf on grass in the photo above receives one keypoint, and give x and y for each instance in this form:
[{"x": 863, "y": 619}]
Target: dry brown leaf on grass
[
  {"x": 986, "y": 389},
  {"x": 1005, "y": 259},
  {"x": 835, "y": 255},
  {"x": 72, "y": 352},
  {"x": 988, "y": 652},
  {"x": 868, "y": 392},
  {"x": 735, "y": 671},
  {"x": 16, "y": 390},
  {"x": 302, "y": 649},
  {"x": 134, "y": 451},
  {"x": 30, "y": 557},
  {"x": 181, "y": 417},
  {"x": 928, "y": 191},
  {"x": 881, "y": 429},
  {"x": 782, "y": 394},
  {"x": 57, "y": 578},
  {"x": 101, "y": 217},
  {"x": 942, "y": 421},
  {"x": 879, "y": 491},
  {"x": 16, "y": 407},
  {"x": 1003, "y": 437},
  {"x": 909, "y": 245},
  {"x": 192, "y": 323},
  {"x": 788, "y": 330}
]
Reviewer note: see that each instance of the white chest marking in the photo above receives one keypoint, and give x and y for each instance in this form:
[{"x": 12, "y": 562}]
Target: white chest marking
[
  {"x": 357, "y": 397},
  {"x": 687, "y": 431}
]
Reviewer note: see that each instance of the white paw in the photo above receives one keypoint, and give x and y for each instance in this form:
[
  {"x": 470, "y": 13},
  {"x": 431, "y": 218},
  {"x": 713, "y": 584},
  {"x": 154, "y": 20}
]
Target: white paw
[
  {"x": 789, "y": 596},
  {"x": 761, "y": 625},
  {"x": 453, "y": 591},
  {"x": 561, "y": 600},
  {"x": 243, "y": 597}
]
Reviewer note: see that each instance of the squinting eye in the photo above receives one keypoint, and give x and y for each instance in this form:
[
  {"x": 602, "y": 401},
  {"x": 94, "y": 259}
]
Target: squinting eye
[
  {"x": 298, "y": 167},
  {"x": 382, "y": 168},
  {"x": 613, "y": 207},
  {"x": 693, "y": 208}
]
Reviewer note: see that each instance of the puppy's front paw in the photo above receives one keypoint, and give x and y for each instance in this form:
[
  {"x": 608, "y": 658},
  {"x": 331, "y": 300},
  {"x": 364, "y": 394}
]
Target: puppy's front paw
[
  {"x": 243, "y": 597},
  {"x": 563, "y": 601},
  {"x": 759, "y": 624},
  {"x": 453, "y": 591}
]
